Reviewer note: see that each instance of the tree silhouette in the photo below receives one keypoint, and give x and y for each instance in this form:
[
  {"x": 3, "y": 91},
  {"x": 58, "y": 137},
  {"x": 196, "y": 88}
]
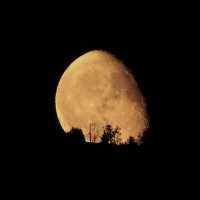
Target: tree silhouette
[
  {"x": 111, "y": 135},
  {"x": 109, "y": 130},
  {"x": 104, "y": 137},
  {"x": 141, "y": 139},
  {"x": 94, "y": 133},
  {"x": 75, "y": 135},
  {"x": 130, "y": 140},
  {"x": 117, "y": 134}
]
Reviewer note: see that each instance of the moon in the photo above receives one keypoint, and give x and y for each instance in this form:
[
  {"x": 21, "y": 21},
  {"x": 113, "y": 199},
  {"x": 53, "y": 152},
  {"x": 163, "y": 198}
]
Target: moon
[{"x": 97, "y": 88}]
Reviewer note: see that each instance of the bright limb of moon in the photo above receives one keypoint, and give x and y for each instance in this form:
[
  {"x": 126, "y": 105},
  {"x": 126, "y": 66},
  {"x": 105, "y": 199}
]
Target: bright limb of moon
[{"x": 98, "y": 88}]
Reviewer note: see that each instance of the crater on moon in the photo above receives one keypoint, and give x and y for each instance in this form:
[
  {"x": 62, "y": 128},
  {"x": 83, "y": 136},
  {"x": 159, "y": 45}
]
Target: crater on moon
[{"x": 98, "y": 88}]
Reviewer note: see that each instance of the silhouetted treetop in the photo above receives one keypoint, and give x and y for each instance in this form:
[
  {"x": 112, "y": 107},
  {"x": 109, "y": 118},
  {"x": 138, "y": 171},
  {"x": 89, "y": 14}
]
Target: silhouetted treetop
[
  {"x": 110, "y": 135},
  {"x": 75, "y": 135},
  {"x": 131, "y": 140}
]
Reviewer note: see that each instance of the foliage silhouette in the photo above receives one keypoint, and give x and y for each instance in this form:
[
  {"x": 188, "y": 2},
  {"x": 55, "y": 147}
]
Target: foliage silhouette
[
  {"x": 75, "y": 135},
  {"x": 141, "y": 139},
  {"x": 105, "y": 138},
  {"x": 130, "y": 140},
  {"x": 117, "y": 135},
  {"x": 110, "y": 135}
]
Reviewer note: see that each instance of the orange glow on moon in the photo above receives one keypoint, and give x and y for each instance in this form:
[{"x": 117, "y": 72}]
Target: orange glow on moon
[{"x": 98, "y": 88}]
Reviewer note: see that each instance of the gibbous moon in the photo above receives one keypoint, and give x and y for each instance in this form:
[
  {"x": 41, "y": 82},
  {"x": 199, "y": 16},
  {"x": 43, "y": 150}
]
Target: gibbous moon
[{"x": 97, "y": 88}]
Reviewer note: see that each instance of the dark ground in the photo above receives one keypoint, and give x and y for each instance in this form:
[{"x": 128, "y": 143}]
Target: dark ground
[{"x": 157, "y": 42}]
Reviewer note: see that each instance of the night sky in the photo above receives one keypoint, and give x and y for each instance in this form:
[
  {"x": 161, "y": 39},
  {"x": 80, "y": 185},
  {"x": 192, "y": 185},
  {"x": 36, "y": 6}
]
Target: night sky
[{"x": 157, "y": 42}]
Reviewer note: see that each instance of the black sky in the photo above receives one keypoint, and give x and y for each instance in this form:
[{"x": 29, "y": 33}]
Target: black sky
[{"x": 155, "y": 41}]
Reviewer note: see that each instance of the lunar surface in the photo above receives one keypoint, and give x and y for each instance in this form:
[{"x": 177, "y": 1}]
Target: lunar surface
[{"x": 97, "y": 88}]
